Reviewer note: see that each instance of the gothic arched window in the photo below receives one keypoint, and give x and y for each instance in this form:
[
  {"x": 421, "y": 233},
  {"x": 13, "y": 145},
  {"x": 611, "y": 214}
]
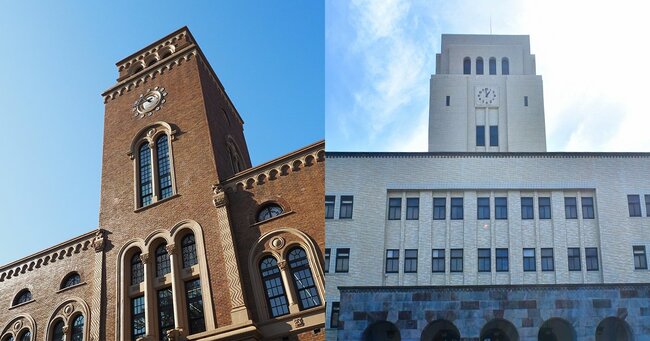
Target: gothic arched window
[
  {"x": 467, "y": 66},
  {"x": 57, "y": 331},
  {"x": 303, "y": 279},
  {"x": 188, "y": 245},
  {"x": 479, "y": 66},
  {"x": 505, "y": 66},
  {"x": 146, "y": 187},
  {"x": 162, "y": 261},
  {"x": 137, "y": 269},
  {"x": 77, "y": 329},
  {"x": 493, "y": 66},
  {"x": 70, "y": 280},
  {"x": 164, "y": 169},
  {"x": 24, "y": 296},
  {"x": 274, "y": 287}
]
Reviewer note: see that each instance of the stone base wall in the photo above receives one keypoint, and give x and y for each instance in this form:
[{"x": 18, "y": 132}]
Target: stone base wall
[{"x": 471, "y": 308}]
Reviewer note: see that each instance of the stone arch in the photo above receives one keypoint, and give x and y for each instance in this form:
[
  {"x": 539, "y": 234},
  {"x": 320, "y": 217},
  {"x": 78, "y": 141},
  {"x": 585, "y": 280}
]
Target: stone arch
[
  {"x": 440, "y": 330},
  {"x": 381, "y": 331},
  {"x": 556, "y": 329},
  {"x": 67, "y": 311},
  {"x": 18, "y": 325},
  {"x": 613, "y": 329},
  {"x": 499, "y": 330}
]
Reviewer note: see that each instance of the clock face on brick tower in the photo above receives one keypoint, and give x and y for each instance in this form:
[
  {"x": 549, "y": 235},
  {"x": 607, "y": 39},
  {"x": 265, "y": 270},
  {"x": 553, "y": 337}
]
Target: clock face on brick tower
[{"x": 486, "y": 96}]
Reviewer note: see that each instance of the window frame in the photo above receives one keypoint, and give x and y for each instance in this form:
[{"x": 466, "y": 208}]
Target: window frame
[
  {"x": 394, "y": 208},
  {"x": 330, "y": 204},
  {"x": 437, "y": 207},
  {"x": 640, "y": 259},
  {"x": 588, "y": 211},
  {"x": 74, "y": 276},
  {"x": 492, "y": 68},
  {"x": 269, "y": 282},
  {"x": 592, "y": 260},
  {"x": 480, "y": 66},
  {"x": 347, "y": 201},
  {"x": 189, "y": 254},
  {"x": 494, "y": 136},
  {"x": 467, "y": 66},
  {"x": 527, "y": 260},
  {"x": 483, "y": 208},
  {"x": 437, "y": 260},
  {"x": 480, "y": 135},
  {"x": 457, "y": 211},
  {"x": 548, "y": 208},
  {"x": 548, "y": 261},
  {"x": 634, "y": 205},
  {"x": 526, "y": 208},
  {"x": 335, "y": 315},
  {"x": 502, "y": 262},
  {"x": 198, "y": 301},
  {"x": 412, "y": 210},
  {"x": 505, "y": 66},
  {"x": 303, "y": 279},
  {"x": 342, "y": 259},
  {"x": 574, "y": 259},
  {"x": 456, "y": 259},
  {"x": 392, "y": 261},
  {"x": 484, "y": 263},
  {"x": 410, "y": 261},
  {"x": 501, "y": 208},
  {"x": 570, "y": 209},
  {"x": 327, "y": 255}
]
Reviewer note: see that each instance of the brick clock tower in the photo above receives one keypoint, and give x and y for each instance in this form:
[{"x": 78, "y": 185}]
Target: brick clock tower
[{"x": 200, "y": 244}]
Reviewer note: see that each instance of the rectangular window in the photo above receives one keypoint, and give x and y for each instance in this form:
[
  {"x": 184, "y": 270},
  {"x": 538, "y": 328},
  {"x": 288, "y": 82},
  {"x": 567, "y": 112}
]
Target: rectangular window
[
  {"x": 570, "y": 208},
  {"x": 410, "y": 261},
  {"x": 194, "y": 300},
  {"x": 484, "y": 260},
  {"x": 456, "y": 260},
  {"x": 392, "y": 261},
  {"x": 501, "y": 208},
  {"x": 412, "y": 208},
  {"x": 342, "y": 260},
  {"x": 447, "y": 100},
  {"x": 165, "y": 312},
  {"x": 439, "y": 208},
  {"x": 334, "y": 316},
  {"x": 394, "y": 208},
  {"x": 494, "y": 136},
  {"x": 327, "y": 260},
  {"x": 547, "y": 259},
  {"x": 634, "y": 205},
  {"x": 574, "y": 259},
  {"x": 137, "y": 317},
  {"x": 647, "y": 205},
  {"x": 529, "y": 260},
  {"x": 544, "y": 207},
  {"x": 501, "y": 259},
  {"x": 527, "y": 211},
  {"x": 480, "y": 136},
  {"x": 345, "y": 211},
  {"x": 329, "y": 206},
  {"x": 588, "y": 208},
  {"x": 640, "y": 261},
  {"x": 438, "y": 260},
  {"x": 591, "y": 257},
  {"x": 525, "y": 101},
  {"x": 457, "y": 208},
  {"x": 483, "y": 208}
]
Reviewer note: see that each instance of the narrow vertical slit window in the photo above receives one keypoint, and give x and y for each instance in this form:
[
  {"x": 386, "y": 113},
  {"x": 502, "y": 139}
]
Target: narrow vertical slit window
[
  {"x": 274, "y": 287},
  {"x": 505, "y": 66},
  {"x": 303, "y": 280},
  {"x": 467, "y": 66},
  {"x": 447, "y": 100},
  {"x": 494, "y": 136},
  {"x": 493, "y": 66},
  {"x": 479, "y": 66},
  {"x": 328, "y": 253},
  {"x": 334, "y": 317},
  {"x": 164, "y": 169},
  {"x": 480, "y": 136},
  {"x": 194, "y": 300},
  {"x": 146, "y": 187},
  {"x": 525, "y": 101}
]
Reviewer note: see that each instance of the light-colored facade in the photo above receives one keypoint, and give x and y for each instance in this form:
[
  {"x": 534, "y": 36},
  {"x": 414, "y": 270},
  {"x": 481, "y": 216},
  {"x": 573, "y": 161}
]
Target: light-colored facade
[{"x": 473, "y": 242}]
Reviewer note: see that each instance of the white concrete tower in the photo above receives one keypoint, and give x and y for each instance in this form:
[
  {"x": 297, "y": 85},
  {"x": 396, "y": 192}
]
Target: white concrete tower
[{"x": 485, "y": 96}]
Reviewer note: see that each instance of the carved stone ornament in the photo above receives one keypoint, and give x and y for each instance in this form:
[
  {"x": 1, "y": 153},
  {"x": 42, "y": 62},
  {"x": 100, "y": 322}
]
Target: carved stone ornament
[
  {"x": 282, "y": 265},
  {"x": 277, "y": 243},
  {"x": 98, "y": 241},
  {"x": 298, "y": 322},
  {"x": 68, "y": 310},
  {"x": 170, "y": 248},
  {"x": 220, "y": 199},
  {"x": 18, "y": 325},
  {"x": 149, "y": 102},
  {"x": 144, "y": 257}
]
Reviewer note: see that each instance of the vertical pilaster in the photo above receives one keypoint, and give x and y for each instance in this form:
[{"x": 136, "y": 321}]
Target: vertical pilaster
[
  {"x": 98, "y": 287},
  {"x": 173, "y": 259},
  {"x": 148, "y": 295}
]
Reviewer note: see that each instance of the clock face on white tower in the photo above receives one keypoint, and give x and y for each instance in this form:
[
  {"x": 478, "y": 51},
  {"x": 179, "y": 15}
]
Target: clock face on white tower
[{"x": 486, "y": 97}]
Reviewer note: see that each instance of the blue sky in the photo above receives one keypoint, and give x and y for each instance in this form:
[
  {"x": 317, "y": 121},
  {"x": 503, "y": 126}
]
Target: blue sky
[
  {"x": 380, "y": 56},
  {"x": 58, "y": 57}
]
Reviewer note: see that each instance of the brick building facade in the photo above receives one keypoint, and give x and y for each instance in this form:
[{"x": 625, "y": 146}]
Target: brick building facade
[{"x": 190, "y": 235}]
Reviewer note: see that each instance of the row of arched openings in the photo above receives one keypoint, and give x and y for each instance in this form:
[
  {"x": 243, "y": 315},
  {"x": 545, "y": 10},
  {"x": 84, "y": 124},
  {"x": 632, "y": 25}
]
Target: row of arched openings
[
  {"x": 492, "y": 66},
  {"x": 25, "y": 295},
  {"x": 303, "y": 282},
  {"x": 554, "y": 329},
  {"x": 59, "y": 330}
]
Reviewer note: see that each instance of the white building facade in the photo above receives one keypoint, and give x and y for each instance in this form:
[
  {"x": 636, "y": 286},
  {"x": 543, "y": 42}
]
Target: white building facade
[{"x": 487, "y": 236}]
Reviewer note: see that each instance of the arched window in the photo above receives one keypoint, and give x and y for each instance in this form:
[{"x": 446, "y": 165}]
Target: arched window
[
  {"x": 236, "y": 161},
  {"x": 467, "y": 66},
  {"x": 8, "y": 338},
  {"x": 303, "y": 279},
  {"x": 162, "y": 261},
  {"x": 189, "y": 251},
  {"x": 274, "y": 287},
  {"x": 77, "y": 329},
  {"x": 505, "y": 66},
  {"x": 146, "y": 187},
  {"x": 57, "y": 331},
  {"x": 24, "y": 296},
  {"x": 493, "y": 66},
  {"x": 164, "y": 169},
  {"x": 25, "y": 336},
  {"x": 269, "y": 211},
  {"x": 137, "y": 269},
  {"x": 70, "y": 280},
  {"x": 479, "y": 66}
]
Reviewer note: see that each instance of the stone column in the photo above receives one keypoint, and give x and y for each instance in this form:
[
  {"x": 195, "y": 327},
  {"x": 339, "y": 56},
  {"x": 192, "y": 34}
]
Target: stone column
[
  {"x": 98, "y": 287},
  {"x": 288, "y": 287},
  {"x": 149, "y": 294},
  {"x": 239, "y": 312},
  {"x": 173, "y": 259}
]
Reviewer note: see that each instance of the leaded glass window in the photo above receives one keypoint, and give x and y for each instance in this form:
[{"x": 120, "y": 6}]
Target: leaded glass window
[
  {"x": 22, "y": 297},
  {"x": 164, "y": 168},
  {"x": 194, "y": 301},
  {"x": 77, "y": 329},
  {"x": 274, "y": 287},
  {"x": 163, "y": 265},
  {"x": 137, "y": 317},
  {"x": 70, "y": 280},
  {"x": 57, "y": 331},
  {"x": 146, "y": 186},
  {"x": 26, "y": 336},
  {"x": 165, "y": 312},
  {"x": 188, "y": 244},
  {"x": 303, "y": 279},
  {"x": 137, "y": 269}
]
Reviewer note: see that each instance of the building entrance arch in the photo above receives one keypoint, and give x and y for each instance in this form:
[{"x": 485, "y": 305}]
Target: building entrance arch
[
  {"x": 613, "y": 329},
  {"x": 556, "y": 329},
  {"x": 440, "y": 330},
  {"x": 499, "y": 330},
  {"x": 381, "y": 331}
]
